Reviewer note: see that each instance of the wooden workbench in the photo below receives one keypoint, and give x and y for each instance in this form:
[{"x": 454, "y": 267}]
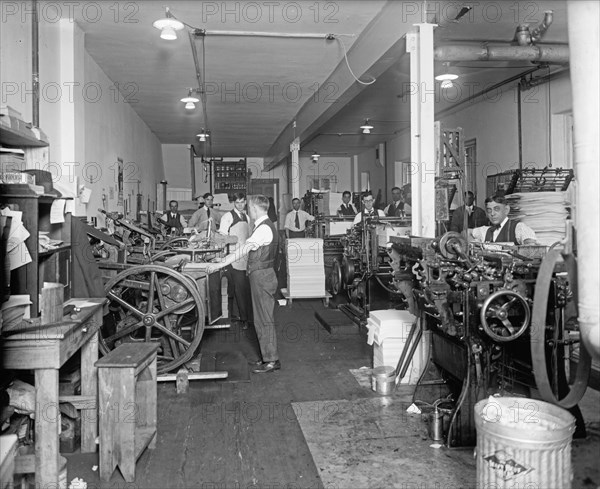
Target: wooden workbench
[{"x": 44, "y": 349}]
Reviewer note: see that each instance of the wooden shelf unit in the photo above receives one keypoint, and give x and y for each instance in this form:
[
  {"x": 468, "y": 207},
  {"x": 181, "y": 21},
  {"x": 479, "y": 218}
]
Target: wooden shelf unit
[{"x": 45, "y": 266}]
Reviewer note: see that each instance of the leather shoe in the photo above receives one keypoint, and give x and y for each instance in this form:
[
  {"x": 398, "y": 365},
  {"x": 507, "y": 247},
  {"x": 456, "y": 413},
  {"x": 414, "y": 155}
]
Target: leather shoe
[{"x": 267, "y": 367}]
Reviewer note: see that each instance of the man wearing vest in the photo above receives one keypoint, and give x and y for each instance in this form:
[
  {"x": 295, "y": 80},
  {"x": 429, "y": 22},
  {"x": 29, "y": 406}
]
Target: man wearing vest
[
  {"x": 396, "y": 208},
  {"x": 346, "y": 209},
  {"x": 261, "y": 250},
  {"x": 503, "y": 229},
  {"x": 295, "y": 221},
  {"x": 235, "y": 223},
  {"x": 174, "y": 221},
  {"x": 368, "y": 210}
]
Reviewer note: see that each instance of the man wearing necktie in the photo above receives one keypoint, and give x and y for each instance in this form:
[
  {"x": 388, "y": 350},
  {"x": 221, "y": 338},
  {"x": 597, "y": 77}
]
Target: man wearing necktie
[
  {"x": 346, "y": 209},
  {"x": 261, "y": 251},
  {"x": 396, "y": 208},
  {"x": 295, "y": 221},
  {"x": 204, "y": 214},
  {"x": 173, "y": 220},
  {"x": 474, "y": 216},
  {"x": 368, "y": 210},
  {"x": 503, "y": 229}
]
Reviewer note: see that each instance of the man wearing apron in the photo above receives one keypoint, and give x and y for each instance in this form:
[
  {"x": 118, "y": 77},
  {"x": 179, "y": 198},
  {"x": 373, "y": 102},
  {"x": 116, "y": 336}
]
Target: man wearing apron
[{"x": 235, "y": 223}]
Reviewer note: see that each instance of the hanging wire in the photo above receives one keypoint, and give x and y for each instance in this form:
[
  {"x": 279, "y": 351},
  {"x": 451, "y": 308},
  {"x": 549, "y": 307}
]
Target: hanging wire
[{"x": 348, "y": 64}]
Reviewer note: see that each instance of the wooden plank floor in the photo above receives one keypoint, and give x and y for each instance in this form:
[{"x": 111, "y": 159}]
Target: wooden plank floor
[{"x": 246, "y": 434}]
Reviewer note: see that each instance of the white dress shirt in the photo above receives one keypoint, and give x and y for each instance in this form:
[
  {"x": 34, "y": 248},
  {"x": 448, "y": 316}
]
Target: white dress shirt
[
  {"x": 290, "y": 220},
  {"x": 522, "y": 232},
  {"x": 358, "y": 217}
]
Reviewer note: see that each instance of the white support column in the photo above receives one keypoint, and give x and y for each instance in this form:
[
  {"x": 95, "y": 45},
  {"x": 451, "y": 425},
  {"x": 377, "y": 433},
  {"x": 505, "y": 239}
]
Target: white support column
[
  {"x": 295, "y": 169},
  {"x": 422, "y": 93},
  {"x": 585, "y": 69}
]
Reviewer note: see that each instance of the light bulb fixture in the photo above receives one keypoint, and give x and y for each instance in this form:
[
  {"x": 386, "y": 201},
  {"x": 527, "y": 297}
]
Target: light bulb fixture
[
  {"x": 203, "y": 135},
  {"x": 315, "y": 155},
  {"x": 446, "y": 75},
  {"x": 168, "y": 26},
  {"x": 189, "y": 101},
  {"x": 447, "y": 84},
  {"x": 366, "y": 127}
]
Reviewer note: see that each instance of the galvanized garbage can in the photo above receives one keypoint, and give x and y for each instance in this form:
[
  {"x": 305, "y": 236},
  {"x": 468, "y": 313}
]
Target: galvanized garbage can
[{"x": 523, "y": 443}]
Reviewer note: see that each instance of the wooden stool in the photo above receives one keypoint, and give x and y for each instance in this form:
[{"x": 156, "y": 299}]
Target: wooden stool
[{"x": 127, "y": 405}]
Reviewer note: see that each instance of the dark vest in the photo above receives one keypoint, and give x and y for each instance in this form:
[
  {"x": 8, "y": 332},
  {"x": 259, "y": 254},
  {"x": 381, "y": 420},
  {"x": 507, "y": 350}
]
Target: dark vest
[
  {"x": 236, "y": 219},
  {"x": 264, "y": 257},
  {"x": 507, "y": 233},
  {"x": 174, "y": 222},
  {"x": 395, "y": 211},
  {"x": 345, "y": 211}
]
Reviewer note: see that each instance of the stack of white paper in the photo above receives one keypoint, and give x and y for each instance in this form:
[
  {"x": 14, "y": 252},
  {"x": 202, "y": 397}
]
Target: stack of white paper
[
  {"x": 388, "y": 333},
  {"x": 305, "y": 267},
  {"x": 544, "y": 212}
]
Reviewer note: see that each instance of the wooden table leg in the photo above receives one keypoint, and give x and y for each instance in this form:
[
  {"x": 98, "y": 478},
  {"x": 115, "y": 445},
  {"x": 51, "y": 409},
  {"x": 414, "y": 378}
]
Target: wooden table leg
[
  {"x": 89, "y": 387},
  {"x": 47, "y": 427}
]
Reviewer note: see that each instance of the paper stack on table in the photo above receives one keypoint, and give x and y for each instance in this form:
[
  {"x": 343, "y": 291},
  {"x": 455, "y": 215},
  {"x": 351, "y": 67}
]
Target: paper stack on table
[
  {"x": 305, "y": 267},
  {"x": 544, "y": 212}
]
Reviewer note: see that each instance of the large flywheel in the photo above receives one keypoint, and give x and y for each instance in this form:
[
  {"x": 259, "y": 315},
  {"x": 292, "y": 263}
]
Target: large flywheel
[
  {"x": 549, "y": 340},
  {"x": 153, "y": 303}
]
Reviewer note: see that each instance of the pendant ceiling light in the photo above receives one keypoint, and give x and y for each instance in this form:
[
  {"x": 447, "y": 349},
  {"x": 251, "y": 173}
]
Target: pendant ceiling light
[
  {"x": 366, "y": 127},
  {"x": 203, "y": 135},
  {"x": 168, "y": 26},
  {"x": 190, "y": 100},
  {"x": 446, "y": 76}
]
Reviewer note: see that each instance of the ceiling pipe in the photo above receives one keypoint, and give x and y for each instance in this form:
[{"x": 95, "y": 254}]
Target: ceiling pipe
[{"x": 548, "y": 53}]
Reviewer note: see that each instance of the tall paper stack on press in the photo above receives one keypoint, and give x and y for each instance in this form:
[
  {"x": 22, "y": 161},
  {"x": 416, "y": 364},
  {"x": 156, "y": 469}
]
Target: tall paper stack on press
[{"x": 305, "y": 267}]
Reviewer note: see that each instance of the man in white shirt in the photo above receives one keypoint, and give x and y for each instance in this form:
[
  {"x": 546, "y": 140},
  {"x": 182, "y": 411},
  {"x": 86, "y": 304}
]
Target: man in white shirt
[
  {"x": 235, "y": 223},
  {"x": 368, "y": 210},
  {"x": 201, "y": 218},
  {"x": 503, "y": 229},
  {"x": 295, "y": 221},
  {"x": 261, "y": 250}
]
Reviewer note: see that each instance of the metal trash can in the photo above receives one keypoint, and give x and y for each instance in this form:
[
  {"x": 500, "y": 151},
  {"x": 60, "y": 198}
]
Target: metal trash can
[{"x": 523, "y": 443}]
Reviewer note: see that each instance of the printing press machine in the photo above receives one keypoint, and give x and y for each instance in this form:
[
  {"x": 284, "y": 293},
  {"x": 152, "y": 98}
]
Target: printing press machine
[{"x": 499, "y": 318}]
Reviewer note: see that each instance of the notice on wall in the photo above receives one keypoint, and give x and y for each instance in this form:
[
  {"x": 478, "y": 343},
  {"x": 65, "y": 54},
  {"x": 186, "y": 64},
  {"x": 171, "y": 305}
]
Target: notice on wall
[{"x": 57, "y": 211}]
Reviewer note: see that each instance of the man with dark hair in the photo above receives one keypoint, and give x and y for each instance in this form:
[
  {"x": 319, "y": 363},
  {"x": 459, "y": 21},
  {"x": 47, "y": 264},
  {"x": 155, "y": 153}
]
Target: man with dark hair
[
  {"x": 235, "y": 223},
  {"x": 474, "y": 216},
  {"x": 295, "y": 221},
  {"x": 368, "y": 210},
  {"x": 346, "y": 209},
  {"x": 503, "y": 229},
  {"x": 261, "y": 250},
  {"x": 203, "y": 215},
  {"x": 172, "y": 219},
  {"x": 396, "y": 208}
]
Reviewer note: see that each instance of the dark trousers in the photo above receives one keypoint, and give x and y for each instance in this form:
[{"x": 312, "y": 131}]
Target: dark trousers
[
  {"x": 263, "y": 285},
  {"x": 241, "y": 294}
]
